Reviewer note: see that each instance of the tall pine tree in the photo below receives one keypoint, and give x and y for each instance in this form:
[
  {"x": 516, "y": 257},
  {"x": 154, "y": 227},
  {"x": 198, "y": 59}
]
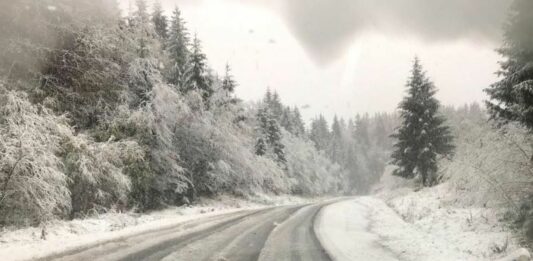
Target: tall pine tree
[
  {"x": 178, "y": 51},
  {"x": 143, "y": 71},
  {"x": 228, "y": 86},
  {"x": 274, "y": 139},
  {"x": 160, "y": 21},
  {"x": 336, "y": 143},
  {"x": 361, "y": 131},
  {"x": 319, "y": 133},
  {"x": 422, "y": 135},
  {"x": 228, "y": 83},
  {"x": 512, "y": 97},
  {"x": 269, "y": 140},
  {"x": 298, "y": 123},
  {"x": 199, "y": 78}
]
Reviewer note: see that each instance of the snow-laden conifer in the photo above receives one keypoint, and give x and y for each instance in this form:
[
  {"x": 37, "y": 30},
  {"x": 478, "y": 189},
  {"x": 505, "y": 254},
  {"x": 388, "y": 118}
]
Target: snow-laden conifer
[
  {"x": 422, "y": 135},
  {"x": 178, "y": 52},
  {"x": 511, "y": 97}
]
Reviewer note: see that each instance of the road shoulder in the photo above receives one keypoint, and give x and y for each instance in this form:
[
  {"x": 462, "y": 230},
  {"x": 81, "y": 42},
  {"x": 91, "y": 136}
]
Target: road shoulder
[{"x": 343, "y": 229}]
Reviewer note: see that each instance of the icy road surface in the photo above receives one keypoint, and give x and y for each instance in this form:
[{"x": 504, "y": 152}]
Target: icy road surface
[
  {"x": 278, "y": 233},
  {"x": 343, "y": 229}
]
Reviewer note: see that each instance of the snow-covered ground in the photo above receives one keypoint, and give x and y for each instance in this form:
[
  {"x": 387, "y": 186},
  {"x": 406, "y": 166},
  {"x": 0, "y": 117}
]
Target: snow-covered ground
[
  {"x": 61, "y": 236},
  {"x": 343, "y": 230},
  {"x": 366, "y": 228},
  {"x": 401, "y": 222}
]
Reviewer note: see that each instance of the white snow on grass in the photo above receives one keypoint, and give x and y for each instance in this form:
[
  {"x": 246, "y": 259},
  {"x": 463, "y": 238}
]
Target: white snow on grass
[
  {"x": 469, "y": 233},
  {"x": 366, "y": 228},
  {"x": 26, "y": 243}
]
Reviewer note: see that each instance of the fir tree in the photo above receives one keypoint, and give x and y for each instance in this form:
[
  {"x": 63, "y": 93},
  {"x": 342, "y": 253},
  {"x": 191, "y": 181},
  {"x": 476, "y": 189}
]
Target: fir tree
[
  {"x": 160, "y": 21},
  {"x": 319, "y": 133},
  {"x": 274, "y": 139},
  {"x": 380, "y": 132},
  {"x": 512, "y": 97},
  {"x": 260, "y": 147},
  {"x": 199, "y": 78},
  {"x": 361, "y": 131},
  {"x": 143, "y": 71},
  {"x": 262, "y": 122},
  {"x": 228, "y": 83},
  {"x": 227, "y": 90},
  {"x": 273, "y": 102},
  {"x": 276, "y": 107},
  {"x": 336, "y": 143},
  {"x": 143, "y": 30},
  {"x": 286, "y": 120},
  {"x": 178, "y": 50},
  {"x": 422, "y": 135},
  {"x": 270, "y": 136},
  {"x": 268, "y": 97},
  {"x": 298, "y": 123}
]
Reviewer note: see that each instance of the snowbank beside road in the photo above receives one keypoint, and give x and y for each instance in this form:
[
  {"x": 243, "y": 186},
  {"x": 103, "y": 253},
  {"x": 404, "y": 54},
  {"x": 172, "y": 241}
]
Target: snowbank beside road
[
  {"x": 366, "y": 228},
  {"x": 476, "y": 233},
  {"x": 343, "y": 230}
]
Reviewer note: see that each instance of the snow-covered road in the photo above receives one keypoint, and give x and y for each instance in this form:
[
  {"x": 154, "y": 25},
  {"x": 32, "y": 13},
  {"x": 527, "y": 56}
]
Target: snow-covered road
[
  {"x": 278, "y": 233},
  {"x": 351, "y": 229},
  {"x": 331, "y": 230}
]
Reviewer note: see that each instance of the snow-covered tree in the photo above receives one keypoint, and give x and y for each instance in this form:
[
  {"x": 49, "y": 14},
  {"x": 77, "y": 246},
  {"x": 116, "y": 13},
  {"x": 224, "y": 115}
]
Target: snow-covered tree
[
  {"x": 160, "y": 21},
  {"x": 319, "y": 133},
  {"x": 422, "y": 135},
  {"x": 33, "y": 187},
  {"x": 159, "y": 177},
  {"x": 199, "y": 78},
  {"x": 275, "y": 105},
  {"x": 67, "y": 54},
  {"x": 274, "y": 139},
  {"x": 269, "y": 132},
  {"x": 311, "y": 172},
  {"x": 336, "y": 144},
  {"x": 178, "y": 51},
  {"x": 143, "y": 71},
  {"x": 361, "y": 134},
  {"x": 511, "y": 97},
  {"x": 228, "y": 83},
  {"x": 225, "y": 93},
  {"x": 260, "y": 147},
  {"x": 143, "y": 30},
  {"x": 298, "y": 123},
  {"x": 291, "y": 120},
  {"x": 286, "y": 120}
]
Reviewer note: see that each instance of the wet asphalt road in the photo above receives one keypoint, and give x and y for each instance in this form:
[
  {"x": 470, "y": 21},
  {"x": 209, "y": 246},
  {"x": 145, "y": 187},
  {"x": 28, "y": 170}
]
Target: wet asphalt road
[{"x": 278, "y": 233}]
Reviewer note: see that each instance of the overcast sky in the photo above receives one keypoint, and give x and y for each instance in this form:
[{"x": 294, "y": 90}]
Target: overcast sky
[{"x": 349, "y": 56}]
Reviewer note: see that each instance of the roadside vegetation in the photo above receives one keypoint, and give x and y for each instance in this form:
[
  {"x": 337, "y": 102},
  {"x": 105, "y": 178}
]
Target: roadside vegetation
[{"x": 103, "y": 112}]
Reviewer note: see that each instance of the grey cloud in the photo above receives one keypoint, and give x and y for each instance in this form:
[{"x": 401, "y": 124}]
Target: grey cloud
[{"x": 325, "y": 28}]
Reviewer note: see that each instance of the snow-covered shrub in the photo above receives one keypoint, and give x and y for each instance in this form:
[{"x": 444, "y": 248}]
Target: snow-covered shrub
[
  {"x": 95, "y": 169},
  {"x": 310, "y": 171},
  {"x": 492, "y": 165},
  {"x": 33, "y": 186},
  {"x": 158, "y": 177},
  {"x": 143, "y": 74},
  {"x": 218, "y": 155},
  {"x": 249, "y": 172},
  {"x": 84, "y": 73}
]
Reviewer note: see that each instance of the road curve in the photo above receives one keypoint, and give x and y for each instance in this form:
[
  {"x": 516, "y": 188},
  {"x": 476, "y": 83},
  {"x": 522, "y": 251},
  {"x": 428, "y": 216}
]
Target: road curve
[{"x": 278, "y": 233}]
